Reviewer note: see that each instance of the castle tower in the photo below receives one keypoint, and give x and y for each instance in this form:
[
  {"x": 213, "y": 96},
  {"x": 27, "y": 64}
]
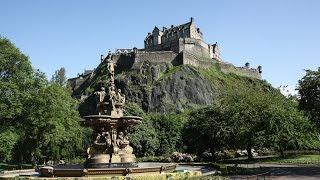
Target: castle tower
[
  {"x": 214, "y": 51},
  {"x": 194, "y": 31},
  {"x": 156, "y": 35}
]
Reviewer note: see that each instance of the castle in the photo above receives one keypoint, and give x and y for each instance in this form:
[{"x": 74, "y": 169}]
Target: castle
[
  {"x": 185, "y": 37},
  {"x": 177, "y": 45}
]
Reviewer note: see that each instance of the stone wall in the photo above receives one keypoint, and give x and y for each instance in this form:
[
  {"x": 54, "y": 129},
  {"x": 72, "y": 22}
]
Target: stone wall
[
  {"x": 194, "y": 46},
  {"x": 241, "y": 71},
  {"x": 171, "y": 46},
  {"x": 196, "y": 60},
  {"x": 155, "y": 57},
  {"x": 126, "y": 62}
]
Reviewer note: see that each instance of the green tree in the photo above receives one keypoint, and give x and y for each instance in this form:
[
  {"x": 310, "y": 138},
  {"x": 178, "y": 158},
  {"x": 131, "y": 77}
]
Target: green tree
[
  {"x": 309, "y": 92},
  {"x": 59, "y": 77},
  {"x": 268, "y": 119},
  {"x": 207, "y": 129},
  {"x": 250, "y": 119},
  {"x": 143, "y": 137},
  {"x": 52, "y": 129},
  {"x": 8, "y": 140},
  {"x": 37, "y": 119},
  {"x": 14, "y": 66},
  {"x": 244, "y": 110},
  {"x": 285, "y": 127},
  {"x": 169, "y": 132},
  {"x": 15, "y": 78}
]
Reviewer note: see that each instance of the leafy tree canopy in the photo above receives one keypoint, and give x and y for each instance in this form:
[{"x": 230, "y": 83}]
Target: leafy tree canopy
[
  {"x": 38, "y": 119},
  {"x": 309, "y": 92},
  {"x": 250, "y": 119},
  {"x": 59, "y": 77}
]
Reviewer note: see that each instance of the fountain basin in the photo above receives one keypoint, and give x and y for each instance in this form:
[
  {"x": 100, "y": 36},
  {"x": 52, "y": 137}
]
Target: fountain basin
[
  {"x": 107, "y": 120},
  {"x": 79, "y": 170}
]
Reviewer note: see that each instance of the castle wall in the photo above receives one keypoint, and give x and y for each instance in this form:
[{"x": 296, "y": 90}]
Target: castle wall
[
  {"x": 196, "y": 60},
  {"x": 124, "y": 62},
  {"x": 194, "y": 46},
  {"x": 241, "y": 71},
  {"x": 130, "y": 61},
  {"x": 155, "y": 57}
]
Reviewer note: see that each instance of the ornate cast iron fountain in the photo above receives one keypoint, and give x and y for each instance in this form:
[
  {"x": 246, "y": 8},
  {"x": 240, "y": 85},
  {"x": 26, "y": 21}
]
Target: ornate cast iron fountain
[{"x": 111, "y": 144}]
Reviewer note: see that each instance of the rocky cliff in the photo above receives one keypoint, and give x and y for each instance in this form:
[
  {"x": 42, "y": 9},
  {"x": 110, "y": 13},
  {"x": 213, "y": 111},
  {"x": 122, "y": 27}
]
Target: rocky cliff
[{"x": 165, "y": 88}]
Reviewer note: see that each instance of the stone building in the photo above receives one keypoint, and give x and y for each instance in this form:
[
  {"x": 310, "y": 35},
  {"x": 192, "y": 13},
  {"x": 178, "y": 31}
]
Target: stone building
[{"x": 184, "y": 37}]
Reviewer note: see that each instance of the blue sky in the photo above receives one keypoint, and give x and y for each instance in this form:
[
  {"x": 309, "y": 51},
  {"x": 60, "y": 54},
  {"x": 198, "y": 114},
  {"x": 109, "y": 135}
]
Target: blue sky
[{"x": 283, "y": 36}]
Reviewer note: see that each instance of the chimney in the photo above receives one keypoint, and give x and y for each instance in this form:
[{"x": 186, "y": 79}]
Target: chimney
[
  {"x": 171, "y": 26},
  {"x": 191, "y": 19}
]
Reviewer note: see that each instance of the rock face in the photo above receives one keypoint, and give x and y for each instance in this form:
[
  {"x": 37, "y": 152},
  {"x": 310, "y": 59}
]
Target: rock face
[
  {"x": 163, "y": 88},
  {"x": 183, "y": 89}
]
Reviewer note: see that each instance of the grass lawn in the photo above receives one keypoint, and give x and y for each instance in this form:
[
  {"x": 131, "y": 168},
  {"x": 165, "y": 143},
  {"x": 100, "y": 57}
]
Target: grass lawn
[
  {"x": 9, "y": 167},
  {"x": 297, "y": 159},
  {"x": 289, "y": 159}
]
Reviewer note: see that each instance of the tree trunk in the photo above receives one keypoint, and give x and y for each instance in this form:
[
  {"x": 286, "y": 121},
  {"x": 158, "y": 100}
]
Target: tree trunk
[
  {"x": 282, "y": 152},
  {"x": 250, "y": 156}
]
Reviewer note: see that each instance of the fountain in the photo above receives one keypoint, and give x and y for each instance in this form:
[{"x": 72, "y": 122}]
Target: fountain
[
  {"x": 111, "y": 146},
  {"x": 110, "y": 153}
]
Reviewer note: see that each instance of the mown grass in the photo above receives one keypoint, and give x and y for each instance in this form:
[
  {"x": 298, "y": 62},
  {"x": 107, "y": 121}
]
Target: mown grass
[
  {"x": 298, "y": 159},
  {"x": 8, "y": 167},
  {"x": 288, "y": 159}
]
